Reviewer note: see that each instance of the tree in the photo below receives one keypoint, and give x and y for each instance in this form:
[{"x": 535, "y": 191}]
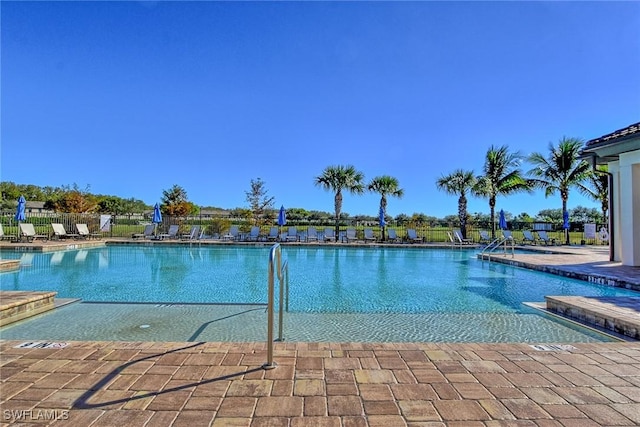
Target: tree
[
  {"x": 501, "y": 177},
  {"x": 259, "y": 202},
  {"x": 175, "y": 203},
  {"x": 385, "y": 185},
  {"x": 598, "y": 189},
  {"x": 72, "y": 199},
  {"x": 560, "y": 170},
  {"x": 337, "y": 179},
  {"x": 458, "y": 183}
]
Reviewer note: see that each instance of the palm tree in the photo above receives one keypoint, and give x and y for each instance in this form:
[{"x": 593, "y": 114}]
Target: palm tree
[
  {"x": 501, "y": 177},
  {"x": 598, "y": 189},
  {"x": 458, "y": 183},
  {"x": 385, "y": 185},
  {"x": 560, "y": 170},
  {"x": 338, "y": 178}
]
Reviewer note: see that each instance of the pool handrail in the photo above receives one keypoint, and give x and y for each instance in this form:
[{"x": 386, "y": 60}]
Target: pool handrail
[{"x": 282, "y": 270}]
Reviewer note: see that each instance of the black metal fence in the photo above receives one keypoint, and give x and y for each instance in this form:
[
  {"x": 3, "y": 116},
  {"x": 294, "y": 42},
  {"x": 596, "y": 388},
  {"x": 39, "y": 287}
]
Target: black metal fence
[{"x": 124, "y": 226}]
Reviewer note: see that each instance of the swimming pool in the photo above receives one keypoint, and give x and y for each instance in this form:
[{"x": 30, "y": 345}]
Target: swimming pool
[{"x": 336, "y": 293}]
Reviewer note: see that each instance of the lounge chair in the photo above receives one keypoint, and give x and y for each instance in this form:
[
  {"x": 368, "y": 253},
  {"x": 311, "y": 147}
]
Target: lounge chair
[
  {"x": 453, "y": 240},
  {"x": 412, "y": 235},
  {"x": 527, "y": 236},
  {"x": 392, "y": 236},
  {"x": 350, "y": 235},
  {"x": 273, "y": 234},
  {"x": 508, "y": 236},
  {"x": 542, "y": 236},
  {"x": 292, "y": 235},
  {"x": 312, "y": 234},
  {"x": 172, "y": 233},
  {"x": 329, "y": 234},
  {"x": 149, "y": 229},
  {"x": 4, "y": 236},
  {"x": 484, "y": 237},
  {"x": 194, "y": 234},
  {"x": 28, "y": 231},
  {"x": 232, "y": 234},
  {"x": 84, "y": 233},
  {"x": 60, "y": 233},
  {"x": 458, "y": 236},
  {"x": 254, "y": 234},
  {"x": 368, "y": 235}
]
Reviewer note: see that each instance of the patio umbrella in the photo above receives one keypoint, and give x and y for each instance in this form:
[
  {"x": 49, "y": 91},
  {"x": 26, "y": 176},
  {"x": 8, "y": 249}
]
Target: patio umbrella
[
  {"x": 382, "y": 221},
  {"x": 157, "y": 215},
  {"x": 565, "y": 225},
  {"x": 282, "y": 218},
  {"x": 20, "y": 212},
  {"x": 502, "y": 221}
]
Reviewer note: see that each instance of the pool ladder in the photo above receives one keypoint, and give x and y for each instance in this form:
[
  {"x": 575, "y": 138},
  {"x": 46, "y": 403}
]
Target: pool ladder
[
  {"x": 276, "y": 266},
  {"x": 495, "y": 244}
]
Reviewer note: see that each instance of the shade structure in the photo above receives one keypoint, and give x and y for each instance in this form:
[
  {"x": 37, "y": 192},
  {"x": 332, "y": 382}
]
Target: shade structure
[
  {"x": 565, "y": 220},
  {"x": 282, "y": 216},
  {"x": 502, "y": 222},
  {"x": 20, "y": 211},
  {"x": 381, "y": 217},
  {"x": 157, "y": 215}
]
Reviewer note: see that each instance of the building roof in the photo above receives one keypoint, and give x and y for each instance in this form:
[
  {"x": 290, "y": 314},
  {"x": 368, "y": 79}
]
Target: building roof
[
  {"x": 616, "y": 135},
  {"x": 608, "y": 147}
]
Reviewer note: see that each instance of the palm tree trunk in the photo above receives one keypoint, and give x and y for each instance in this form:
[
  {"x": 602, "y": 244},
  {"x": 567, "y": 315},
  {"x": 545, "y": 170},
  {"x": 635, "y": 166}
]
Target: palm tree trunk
[
  {"x": 338, "y": 207},
  {"x": 566, "y": 232},
  {"x": 492, "y": 206}
]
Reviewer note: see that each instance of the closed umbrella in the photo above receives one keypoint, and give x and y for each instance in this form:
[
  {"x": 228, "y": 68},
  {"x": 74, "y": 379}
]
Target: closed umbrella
[
  {"x": 565, "y": 225},
  {"x": 382, "y": 221},
  {"x": 20, "y": 212},
  {"x": 502, "y": 221},
  {"x": 282, "y": 218},
  {"x": 157, "y": 215}
]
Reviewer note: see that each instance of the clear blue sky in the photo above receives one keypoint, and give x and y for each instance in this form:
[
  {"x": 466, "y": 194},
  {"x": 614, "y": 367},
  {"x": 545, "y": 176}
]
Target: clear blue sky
[{"x": 134, "y": 97}]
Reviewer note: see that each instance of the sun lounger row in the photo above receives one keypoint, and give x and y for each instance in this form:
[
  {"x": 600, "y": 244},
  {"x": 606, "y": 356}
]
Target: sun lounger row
[{"x": 28, "y": 233}]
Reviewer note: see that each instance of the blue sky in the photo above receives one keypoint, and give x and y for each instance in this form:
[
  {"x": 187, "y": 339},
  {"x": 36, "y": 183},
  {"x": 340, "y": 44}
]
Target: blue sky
[{"x": 131, "y": 98}]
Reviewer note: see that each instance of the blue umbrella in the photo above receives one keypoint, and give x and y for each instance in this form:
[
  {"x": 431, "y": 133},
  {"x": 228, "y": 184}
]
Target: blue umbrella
[
  {"x": 565, "y": 220},
  {"x": 381, "y": 217},
  {"x": 157, "y": 215},
  {"x": 503, "y": 221},
  {"x": 20, "y": 212},
  {"x": 282, "y": 216}
]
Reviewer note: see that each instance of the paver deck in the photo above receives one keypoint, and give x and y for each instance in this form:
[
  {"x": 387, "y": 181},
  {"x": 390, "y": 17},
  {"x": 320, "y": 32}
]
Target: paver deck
[{"x": 329, "y": 384}]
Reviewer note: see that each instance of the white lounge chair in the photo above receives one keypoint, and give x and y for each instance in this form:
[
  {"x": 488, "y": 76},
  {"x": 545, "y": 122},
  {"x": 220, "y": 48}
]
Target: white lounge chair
[
  {"x": 368, "y": 235},
  {"x": 412, "y": 235},
  {"x": 392, "y": 236},
  {"x": 457, "y": 234},
  {"x": 5, "y": 236},
  {"x": 453, "y": 240},
  {"x": 542, "y": 235},
  {"x": 484, "y": 237},
  {"x": 194, "y": 234},
  {"x": 273, "y": 234},
  {"x": 508, "y": 236},
  {"x": 28, "y": 231},
  {"x": 232, "y": 234},
  {"x": 312, "y": 234},
  {"x": 59, "y": 232},
  {"x": 292, "y": 235},
  {"x": 350, "y": 235},
  {"x": 84, "y": 233},
  {"x": 329, "y": 234},
  {"x": 254, "y": 234},
  {"x": 527, "y": 236},
  {"x": 172, "y": 233},
  {"x": 149, "y": 229}
]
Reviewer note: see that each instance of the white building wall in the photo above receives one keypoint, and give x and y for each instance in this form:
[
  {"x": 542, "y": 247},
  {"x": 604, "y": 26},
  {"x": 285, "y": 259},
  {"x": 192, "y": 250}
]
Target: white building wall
[
  {"x": 628, "y": 233},
  {"x": 616, "y": 234}
]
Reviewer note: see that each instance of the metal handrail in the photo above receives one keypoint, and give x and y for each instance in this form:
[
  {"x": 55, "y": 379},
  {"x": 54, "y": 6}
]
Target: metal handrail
[
  {"x": 282, "y": 270},
  {"x": 496, "y": 243}
]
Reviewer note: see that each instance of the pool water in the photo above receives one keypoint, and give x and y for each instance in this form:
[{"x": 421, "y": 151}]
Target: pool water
[{"x": 336, "y": 293}]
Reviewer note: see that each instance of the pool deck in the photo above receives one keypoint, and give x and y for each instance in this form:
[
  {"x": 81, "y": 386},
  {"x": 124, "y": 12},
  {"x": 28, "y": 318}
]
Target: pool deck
[{"x": 337, "y": 384}]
